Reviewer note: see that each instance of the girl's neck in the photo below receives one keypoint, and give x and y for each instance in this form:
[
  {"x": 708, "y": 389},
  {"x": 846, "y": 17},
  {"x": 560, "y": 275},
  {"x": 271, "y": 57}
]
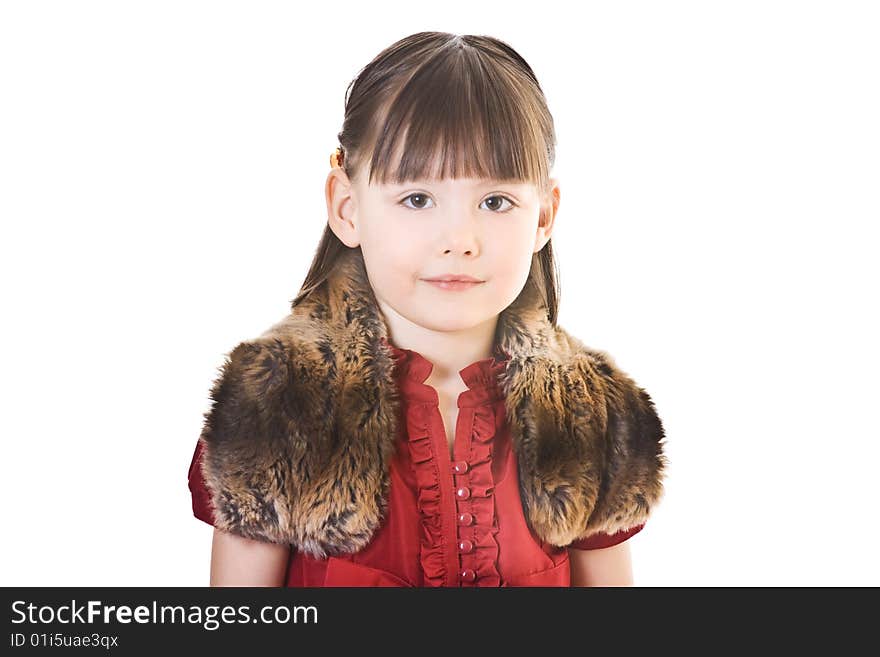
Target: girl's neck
[{"x": 448, "y": 351}]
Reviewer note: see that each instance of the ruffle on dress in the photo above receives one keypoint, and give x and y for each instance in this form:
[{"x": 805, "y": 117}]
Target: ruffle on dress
[
  {"x": 424, "y": 460},
  {"x": 471, "y": 546},
  {"x": 480, "y": 504}
]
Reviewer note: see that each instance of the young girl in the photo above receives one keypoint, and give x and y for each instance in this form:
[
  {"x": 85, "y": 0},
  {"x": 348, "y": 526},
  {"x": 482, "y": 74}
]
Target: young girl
[{"x": 419, "y": 419}]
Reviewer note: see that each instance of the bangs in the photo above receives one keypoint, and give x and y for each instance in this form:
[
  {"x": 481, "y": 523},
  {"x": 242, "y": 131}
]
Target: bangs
[{"x": 462, "y": 115}]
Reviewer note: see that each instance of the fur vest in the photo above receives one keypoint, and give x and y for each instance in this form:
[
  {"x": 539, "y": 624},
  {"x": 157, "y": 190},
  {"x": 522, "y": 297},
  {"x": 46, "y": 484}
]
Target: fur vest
[{"x": 303, "y": 422}]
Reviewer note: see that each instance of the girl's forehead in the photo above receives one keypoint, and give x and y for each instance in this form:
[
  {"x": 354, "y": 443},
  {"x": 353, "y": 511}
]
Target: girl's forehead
[
  {"x": 437, "y": 172},
  {"x": 464, "y": 183}
]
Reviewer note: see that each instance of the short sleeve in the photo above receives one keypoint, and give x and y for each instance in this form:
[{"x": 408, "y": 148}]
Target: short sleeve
[
  {"x": 603, "y": 540},
  {"x": 201, "y": 497}
]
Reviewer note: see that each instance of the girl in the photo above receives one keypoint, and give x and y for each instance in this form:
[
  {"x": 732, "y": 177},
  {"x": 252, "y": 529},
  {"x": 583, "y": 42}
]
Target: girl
[{"x": 419, "y": 419}]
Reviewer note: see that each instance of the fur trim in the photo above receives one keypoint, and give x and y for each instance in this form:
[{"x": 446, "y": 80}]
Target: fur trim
[{"x": 301, "y": 431}]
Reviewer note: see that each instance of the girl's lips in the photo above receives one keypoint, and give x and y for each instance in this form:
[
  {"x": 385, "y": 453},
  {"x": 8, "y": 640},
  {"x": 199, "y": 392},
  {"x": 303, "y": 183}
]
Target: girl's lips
[{"x": 455, "y": 285}]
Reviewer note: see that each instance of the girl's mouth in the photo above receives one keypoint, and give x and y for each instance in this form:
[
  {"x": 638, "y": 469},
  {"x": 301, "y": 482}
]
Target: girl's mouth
[{"x": 455, "y": 285}]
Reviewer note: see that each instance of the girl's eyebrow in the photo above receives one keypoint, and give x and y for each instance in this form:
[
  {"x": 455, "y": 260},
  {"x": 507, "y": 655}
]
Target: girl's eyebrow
[
  {"x": 486, "y": 182},
  {"x": 496, "y": 181}
]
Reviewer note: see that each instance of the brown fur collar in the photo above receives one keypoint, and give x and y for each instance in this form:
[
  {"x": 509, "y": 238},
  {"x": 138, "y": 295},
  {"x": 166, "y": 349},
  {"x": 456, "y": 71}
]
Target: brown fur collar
[{"x": 302, "y": 428}]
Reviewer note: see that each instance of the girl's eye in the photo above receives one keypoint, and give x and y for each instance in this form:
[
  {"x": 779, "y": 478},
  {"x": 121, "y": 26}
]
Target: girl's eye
[
  {"x": 419, "y": 205},
  {"x": 500, "y": 199},
  {"x": 494, "y": 207}
]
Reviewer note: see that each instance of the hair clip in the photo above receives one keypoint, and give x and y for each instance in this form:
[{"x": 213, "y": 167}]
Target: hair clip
[{"x": 337, "y": 157}]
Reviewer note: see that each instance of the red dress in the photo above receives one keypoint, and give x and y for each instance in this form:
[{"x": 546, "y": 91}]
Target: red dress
[{"x": 455, "y": 522}]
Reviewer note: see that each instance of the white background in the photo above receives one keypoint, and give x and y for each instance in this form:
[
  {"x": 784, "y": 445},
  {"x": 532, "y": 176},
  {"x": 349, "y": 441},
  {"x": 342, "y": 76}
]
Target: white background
[{"x": 161, "y": 191}]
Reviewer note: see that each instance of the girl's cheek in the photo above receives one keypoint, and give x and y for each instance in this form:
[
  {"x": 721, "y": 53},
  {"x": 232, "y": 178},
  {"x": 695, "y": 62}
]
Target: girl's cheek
[{"x": 408, "y": 229}]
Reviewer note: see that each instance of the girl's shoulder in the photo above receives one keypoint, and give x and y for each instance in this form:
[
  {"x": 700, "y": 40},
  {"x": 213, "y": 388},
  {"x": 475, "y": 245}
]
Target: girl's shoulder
[{"x": 272, "y": 441}]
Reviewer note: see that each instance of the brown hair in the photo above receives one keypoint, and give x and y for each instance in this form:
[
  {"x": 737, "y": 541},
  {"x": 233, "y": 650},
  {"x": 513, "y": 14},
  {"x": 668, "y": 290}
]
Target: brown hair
[{"x": 442, "y": 105}]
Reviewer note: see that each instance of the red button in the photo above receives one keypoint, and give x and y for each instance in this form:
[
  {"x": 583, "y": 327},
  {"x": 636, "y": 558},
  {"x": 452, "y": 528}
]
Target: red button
[
  {"x": 468, "y": 575},
  {"x": 463, "y": 493},
  {"x": 460, "y": 467},
  {"x": 465, "y": 519},
  {"x": 465, "y": 546}
]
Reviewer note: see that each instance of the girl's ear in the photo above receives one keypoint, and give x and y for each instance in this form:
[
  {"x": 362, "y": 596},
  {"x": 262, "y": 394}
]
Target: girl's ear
[
  {"x": 340, "y": 207},
  {"x": 547, "y": 218}
]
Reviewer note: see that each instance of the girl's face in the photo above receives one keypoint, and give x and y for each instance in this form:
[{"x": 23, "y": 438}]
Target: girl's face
[{"x": 411, "y": 232}]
